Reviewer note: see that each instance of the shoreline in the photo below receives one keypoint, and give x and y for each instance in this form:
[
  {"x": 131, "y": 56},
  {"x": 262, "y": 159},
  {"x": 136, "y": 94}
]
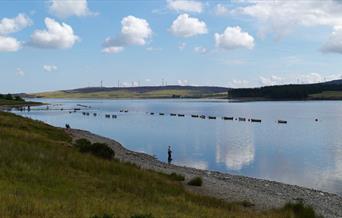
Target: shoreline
[{"x": 263, "y": 194}]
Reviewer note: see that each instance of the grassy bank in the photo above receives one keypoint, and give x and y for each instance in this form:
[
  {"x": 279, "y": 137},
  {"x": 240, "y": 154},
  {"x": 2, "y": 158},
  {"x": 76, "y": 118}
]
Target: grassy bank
[{"x": 42, "y": 175}]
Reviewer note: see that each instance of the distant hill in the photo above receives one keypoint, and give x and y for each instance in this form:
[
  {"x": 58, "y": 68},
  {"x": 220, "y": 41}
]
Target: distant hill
[
  {"x": 331, "y": 90},
  {"x": 138, "y": 92}
]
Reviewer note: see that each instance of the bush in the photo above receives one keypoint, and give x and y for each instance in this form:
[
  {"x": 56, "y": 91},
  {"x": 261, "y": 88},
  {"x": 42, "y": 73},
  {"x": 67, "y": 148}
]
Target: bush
[
  {"x": 197, "y": 181},
  {"x": 300, "y": 210},
  {"x": 83, "y": 145},
  {"x": 142, "y": 216},
  {"x": 98, "y": 149},
  {"x": 102, "y": 150},
  {"x": 177, "y": 177}
]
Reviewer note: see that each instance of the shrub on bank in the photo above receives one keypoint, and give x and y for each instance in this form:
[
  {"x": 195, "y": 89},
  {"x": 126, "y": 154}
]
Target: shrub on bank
[
  {"x": 196, "y": 181},
  {"x": 177, "y": 177},
  {"x": 98, "y": 149},
  {"x": 300, "y": 210}
]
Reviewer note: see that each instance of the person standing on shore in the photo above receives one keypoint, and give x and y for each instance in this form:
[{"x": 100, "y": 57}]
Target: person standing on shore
[{"x": 169, "y": 153}]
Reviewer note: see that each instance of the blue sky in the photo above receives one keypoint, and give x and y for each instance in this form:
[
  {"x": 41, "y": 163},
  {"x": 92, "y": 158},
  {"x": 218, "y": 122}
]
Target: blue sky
[{"x": 61, "y": 44}]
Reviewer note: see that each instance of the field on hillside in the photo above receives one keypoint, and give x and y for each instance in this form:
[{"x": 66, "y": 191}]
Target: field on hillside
[
  {"x": 181, "y": 93},
  {"x": 327, "y": 95}
]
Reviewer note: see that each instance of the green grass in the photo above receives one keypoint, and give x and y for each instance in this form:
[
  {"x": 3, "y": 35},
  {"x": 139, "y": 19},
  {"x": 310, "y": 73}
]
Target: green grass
[
  {"x": 130, "y": 94},
  {"x": 328, "y": 95},
  {"x": 5, "y": 102},
  {"x": 41, "y": 175}
]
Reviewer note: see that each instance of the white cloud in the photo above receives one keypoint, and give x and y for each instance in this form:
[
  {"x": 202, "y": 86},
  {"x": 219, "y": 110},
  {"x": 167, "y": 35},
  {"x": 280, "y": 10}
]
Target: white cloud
[
  {"x": 66, "y": 8},
  {"x": 200, "y": 49},
  {"x": 240, "y": 83},
  {"x": 282, "y": 16},
  {"x": 50, "y": 68},
  {"x": 182, "y": 82},
  {"x": 55, "y": 36},
  {"x": 182, "y": 46},
  {"x": 12, "y": 25},
  {"x": 271, "y": 81},
  {"x": 299, "y": 79},
  {"x": 186, "y": 26},
  {"x": 9, "y": 44},
  {"x": 185, "y": 5},
  {"x": 221, "y": 10},
  {"x": 134, "y": 31},
  {"x": 334, "y": 43},
  {"x": 233, "y": 38},
  {"x": 20, "y": 72}
]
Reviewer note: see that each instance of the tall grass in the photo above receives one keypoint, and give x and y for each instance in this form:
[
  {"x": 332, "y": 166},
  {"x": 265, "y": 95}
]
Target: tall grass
[{"x": 42, "y": 175}]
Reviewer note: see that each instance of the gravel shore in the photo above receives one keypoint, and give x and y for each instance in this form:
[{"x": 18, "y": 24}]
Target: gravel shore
[{"x": 262, "y": 193}]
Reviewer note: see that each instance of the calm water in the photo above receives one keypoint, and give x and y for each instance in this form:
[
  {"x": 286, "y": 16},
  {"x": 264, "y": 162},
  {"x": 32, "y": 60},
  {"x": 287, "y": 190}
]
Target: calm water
[{"x": 302, "y": 152}]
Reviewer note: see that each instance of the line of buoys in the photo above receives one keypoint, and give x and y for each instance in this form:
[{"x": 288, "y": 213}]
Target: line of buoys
[
  {"x": 194, "y": 116},
  {"x": 202, "y": 116},
  {"x": 181, "y": 115},
  {"x": 173, "y": 115},
  {"x": 161, "y": 114},
  {"x": 211, "y": 118}
]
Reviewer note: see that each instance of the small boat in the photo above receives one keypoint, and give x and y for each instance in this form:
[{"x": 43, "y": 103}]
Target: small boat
[
  {"x": 194, "y": 116},
  {"x": 282, "y": 121},
  {"x": 114, "y": 116},
  {"x": 125, "y": 111},
  {"x": 202, "y": 117},
  {"x": 242, "y": 119},
  {"x": 161, "y": 114},
  {"x": 227, "y": 118},
  {"x": 173, "y": 115},
  {"x": 181, "y": 115},
  {"x": 255, "y": 120},
  {"x": 211, "y": 118}
]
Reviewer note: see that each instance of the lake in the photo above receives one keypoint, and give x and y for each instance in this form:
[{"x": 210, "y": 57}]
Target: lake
[{"x": 303, "y": 152}]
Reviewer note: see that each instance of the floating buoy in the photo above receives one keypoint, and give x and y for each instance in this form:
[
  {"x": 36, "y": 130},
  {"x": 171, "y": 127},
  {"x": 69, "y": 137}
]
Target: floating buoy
[
  {"x": 255, "y": 120},
  {"x": 227, "y": 118},
  {"x": 242, "y": 119},
  {"x": 211, "y": 118},
  {"x": 181, "y": 115},
  {"x": 316, "y": 120},
  {"x": 107, "y": 116},
  {"x": 173, "y": 115},
  {"x": 152, "y": 113},
  {"x": 202, "y": 117},
  {"x": 194, "y": 116},
  {"x": 126, "y": 111},
  {"x": 282, "y": 121},
  {"x": 114, "y": 116},
  {"x": 94, "y": 114},
  {"x": 161, "y": 114}
]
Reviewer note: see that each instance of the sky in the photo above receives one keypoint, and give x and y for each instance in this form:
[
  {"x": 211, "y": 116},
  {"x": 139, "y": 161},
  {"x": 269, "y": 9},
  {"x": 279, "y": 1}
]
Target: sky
[{"x": 65, "y": 44}]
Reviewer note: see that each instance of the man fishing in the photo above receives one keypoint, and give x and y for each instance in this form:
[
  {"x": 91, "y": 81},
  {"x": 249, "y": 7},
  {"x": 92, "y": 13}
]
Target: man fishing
[{"x": 169, "y": 152}]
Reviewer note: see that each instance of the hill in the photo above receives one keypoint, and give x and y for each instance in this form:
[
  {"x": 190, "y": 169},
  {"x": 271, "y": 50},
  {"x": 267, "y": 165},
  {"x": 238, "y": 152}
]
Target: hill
[
  {"x": 139, "y": 92},
  {"x": 43, "y": 175},
  {"x": 331, "y": 90}
]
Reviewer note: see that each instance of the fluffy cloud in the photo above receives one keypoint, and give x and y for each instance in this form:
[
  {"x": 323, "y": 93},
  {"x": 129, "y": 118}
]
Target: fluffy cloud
[
  {"x": 233, "y": 38},
  {"x": 282, "y": 16},
  {"x": 300, "y": 79},
  {"x": 50, "y": 68},
  {"x": 182, "y": 82},
  {"x": 9, "y": 44},
  {"x": 185, "y": 5},
  {"x": 221, "y": 10},
  {"x": 20, "y": 72},
  {"x": 240, "y": 83},
  {"x": 334, "y": 44},
  {"x": 12, "y": 25},
  {"x": 66, "y": 8},
  {"x": 134, "y": 31},
  {"x": 55, "y": 36},
  {"x": 200, "y": 49},
  {"x": 186, "y": 26}
]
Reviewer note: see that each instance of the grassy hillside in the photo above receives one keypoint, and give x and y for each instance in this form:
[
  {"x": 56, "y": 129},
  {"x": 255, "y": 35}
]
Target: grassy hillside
[
  {"x": 140, "y": 92},
  {"x": 42, "y": 175}
]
